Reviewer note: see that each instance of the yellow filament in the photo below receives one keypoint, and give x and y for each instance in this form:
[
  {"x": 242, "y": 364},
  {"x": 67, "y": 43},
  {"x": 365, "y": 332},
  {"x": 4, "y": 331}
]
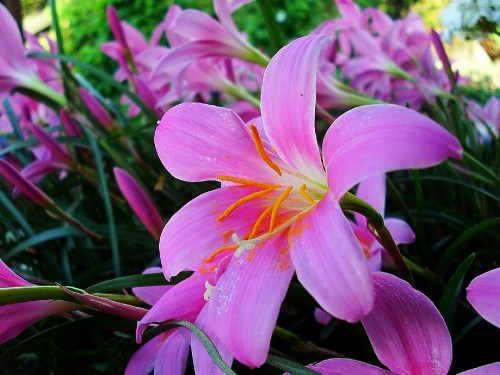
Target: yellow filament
[
  {"x": 217, "y": 252},
  {"x": 305, "y": 195},
  {"x": 241, "y": 201},
  {"x": 259, "y": 221},
  {"x": 261, "y": 150},
  {"x": 276, "y": 207},
  {"x": 243, "y": 181}
]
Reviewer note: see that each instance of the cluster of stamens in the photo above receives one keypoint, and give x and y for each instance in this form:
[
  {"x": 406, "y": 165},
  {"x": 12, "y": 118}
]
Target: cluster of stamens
[{"x": 268, "y": 191}]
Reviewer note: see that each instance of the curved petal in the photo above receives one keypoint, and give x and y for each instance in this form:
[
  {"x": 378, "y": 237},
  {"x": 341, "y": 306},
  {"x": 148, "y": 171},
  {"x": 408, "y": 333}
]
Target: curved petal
[
  {"x": 199, "y": 142},
  {"x": 12, "y": 48},
  {"x": 400, "y": 231},
  {"x": 406, "y": 330},
  {"x": 288, "y": 104},
  {"x": 151, "y": 294},
  {"x": 379, "y": 138},
  {"x": 372, "y": 191},
  {"x": 491, "y": 369},
  {"x": 203, "y": 364},
  {"x": 483, "y": 294},
  {"x": 330, "y": 263},
  {"x": 183, "y": 301},
  {"x": 257, "y": 278},
  {"x": 173, "y": 354},
  {"x": 194, "y": 233},
  {"x": 143, "y": 360},
  {"x": 347, "y": 367}
]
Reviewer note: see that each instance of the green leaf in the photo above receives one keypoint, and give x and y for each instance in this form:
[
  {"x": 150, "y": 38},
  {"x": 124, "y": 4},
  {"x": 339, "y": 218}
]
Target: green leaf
[
  {"x": 115, "y": 251},
  {"x": 4, "y": 199},
  {"x": 456, "y": 246},
  {"x": 447, "y": 305},
  {"x": 289, "y": 366},
  {"x": 272, "y": 27},
  {"x": 42, "y": 237},
  {"x": 202, "y": 336},
  {"x": 13, "y": 120}
]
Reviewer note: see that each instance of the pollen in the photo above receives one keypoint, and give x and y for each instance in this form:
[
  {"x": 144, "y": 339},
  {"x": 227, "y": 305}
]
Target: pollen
[
  {"x": 262, "y": 151},
  {"x": 218, "y": 251},
  {"x": 242, "y": 201}
]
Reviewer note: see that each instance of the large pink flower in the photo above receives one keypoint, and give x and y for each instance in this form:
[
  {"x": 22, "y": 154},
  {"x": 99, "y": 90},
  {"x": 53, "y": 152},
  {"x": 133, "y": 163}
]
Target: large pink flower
[
  {"x": 278, "y": 208},
  {"x": 407, "y": 333}
]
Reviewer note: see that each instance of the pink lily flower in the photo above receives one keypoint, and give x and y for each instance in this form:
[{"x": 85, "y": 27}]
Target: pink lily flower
[
  {"x": 487, "y": 118},
  {"x": 196, "y": 35},
  {"x": 483, "y": 294},
  {"x": 16, "y": 70},
  {"x": 278, "y": 207},
  {"x": 139, "y": 202},
  {"x": 408, "y": 335},
  {"x": 17, "y": 317},
  {"x": 167, "y": 353},
  {"x": 96, "y": 109}
]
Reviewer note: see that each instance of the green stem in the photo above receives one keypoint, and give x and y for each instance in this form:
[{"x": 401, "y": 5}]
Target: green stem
[
  {"x": 476, "y": 163},
  {"x": 377, "y": 227},
  {"x": 241, "y": 93}
]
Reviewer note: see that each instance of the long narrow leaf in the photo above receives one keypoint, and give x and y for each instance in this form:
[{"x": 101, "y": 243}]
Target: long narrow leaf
[{"x": 289, "y": 366}]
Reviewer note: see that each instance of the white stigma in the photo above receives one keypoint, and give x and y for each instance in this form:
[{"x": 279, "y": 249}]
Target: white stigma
[
  {"x": 208, "y": 292},
  {"x": 242, "y": 245}
]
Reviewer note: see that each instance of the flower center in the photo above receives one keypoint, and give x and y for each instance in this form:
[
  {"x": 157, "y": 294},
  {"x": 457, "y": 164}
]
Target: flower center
[{"x": 289, "y": 196}]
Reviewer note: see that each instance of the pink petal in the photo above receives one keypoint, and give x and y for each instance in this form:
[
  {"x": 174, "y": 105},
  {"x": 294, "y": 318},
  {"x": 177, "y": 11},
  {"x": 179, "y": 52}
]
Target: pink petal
[
  {"x": 17, "y": 317},
  {"x": 400, "y": 231},
  {"x": 406, "y": 330},
  {"x": 151, "y": 294},
  {"x": 376, "y": 139},
  {"x": 173, "y": 354},
  {"x": 372, "y": 191},
  {"x": 288, "y": 104},
  {"x": 259, "y": 277},
  {"x": 330, "y": 263},
  {"x": 12, "y": 48},
  {"x": 199, "y": 142},
  {"x": 143, "y": 360},
  {"x": 9, "y": 278},
  {"x": 183, "y": 301},
  {"x": 347, "y": 367},
  {"x": 139, "y": 202},
  {"x": 491, "y": 369},
  {"x": 203, "y": 364},
  {"x": 322, "y": 317},
  {"x": 186, "y": 243},
  {"x": 483, "y": 294}
]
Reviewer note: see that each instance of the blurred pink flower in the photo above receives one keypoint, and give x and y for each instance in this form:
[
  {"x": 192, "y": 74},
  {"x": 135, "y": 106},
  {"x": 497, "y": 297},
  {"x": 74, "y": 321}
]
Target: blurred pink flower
[
  {"x": 408, "y": 335},
  {"x": 17, "y": 317},
  {"x": 294, "y": 210}
]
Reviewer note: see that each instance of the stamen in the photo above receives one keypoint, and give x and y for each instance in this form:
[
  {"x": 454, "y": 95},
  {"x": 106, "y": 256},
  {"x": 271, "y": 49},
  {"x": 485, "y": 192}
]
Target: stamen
[
  {"x": 217, "y": 252},
  {"x": 243, "y": 181},
  {"x": 208, "y": 292},
  {"x": 242, "y": 245},
  {"x": 242, "y": 201},
  {"x": 262, "y": 151},
  {"x": 259, "y": 221},
  {"x": 306, "y": 196},
  {"x": 276, "y": 207}
]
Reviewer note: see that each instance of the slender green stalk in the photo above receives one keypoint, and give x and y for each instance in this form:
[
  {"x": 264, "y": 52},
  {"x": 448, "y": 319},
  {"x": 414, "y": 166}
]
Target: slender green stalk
[{"x": 272, "y": 27}]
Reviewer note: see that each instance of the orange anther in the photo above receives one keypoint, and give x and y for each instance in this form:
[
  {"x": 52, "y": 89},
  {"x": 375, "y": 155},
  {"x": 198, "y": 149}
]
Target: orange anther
[
  {"x": 259, "y": 221},
  {"x": 276, "y": 207},
  {"x": 217, "y": 252},
  {"x": 242, "y": 201},
  {"x": 262, "y": 151}
]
